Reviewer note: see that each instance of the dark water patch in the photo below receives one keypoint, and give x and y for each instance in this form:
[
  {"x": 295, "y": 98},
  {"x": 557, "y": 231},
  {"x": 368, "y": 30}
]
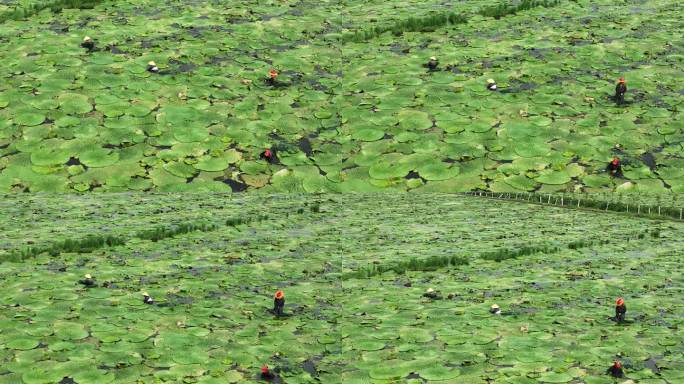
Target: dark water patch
[
  {"x": 174, "y": 300},
  {"x": 652, "y": 364},
  {"x": 114, "y": 50},
  {"x": 73, "y": 161},
  {"x": 305, "y": 146},
  {"x": 67, "y": 380},
  {"x": 412, "y": 175},
  {"x": 649, "y": 160},
  {"x": 310, "y": 367},
  {"x": 148, "y": 44},
  {"x": 236, "y": 186}
]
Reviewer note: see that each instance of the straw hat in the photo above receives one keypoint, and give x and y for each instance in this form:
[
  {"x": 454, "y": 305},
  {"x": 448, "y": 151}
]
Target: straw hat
[
  {"x": 429, "y": 290},
  {"x": 87, "y": 276},
  {"x": 146, "y": 294},
  {"x": 152, "y": 63},
  {"x": 87, "y": 38},
  {"x": 433, "y": 58},
  {"x": 494, "y": 307},
  {"x": 490, "y": 81}
]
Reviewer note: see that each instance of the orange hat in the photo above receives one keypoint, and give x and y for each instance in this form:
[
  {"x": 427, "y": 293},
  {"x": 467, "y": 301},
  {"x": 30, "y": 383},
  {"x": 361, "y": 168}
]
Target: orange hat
[
  {"x": 617, "y": 364},
  {"x": 620, "y": 301},
  {"x": 615, "y": 160},
  {"x": 273, "y": 73},
  {"x": 279, "y": 295},
  {"x": 264, "y": 369},
  {"x": 621, "y": 80}
]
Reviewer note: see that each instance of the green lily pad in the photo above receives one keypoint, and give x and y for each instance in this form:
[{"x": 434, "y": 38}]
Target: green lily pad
[
  {"x": 99, "y": 157},
  {"x": 439, "y": 373},
  {"x": 29, "y": 119},
  {"x": 22, "y": 344}
]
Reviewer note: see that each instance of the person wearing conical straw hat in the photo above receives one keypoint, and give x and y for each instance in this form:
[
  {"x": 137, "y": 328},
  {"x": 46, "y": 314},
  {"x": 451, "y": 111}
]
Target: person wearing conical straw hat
[
  {"x": 620, "y": 90},
  {"x": 88, "y": 44},
  {"x": 152, "y": 67},
  {"x": 495, "y": 309},
  {"x": 620, "y": 310},
  {"x": 147, "y": 299},
  {"x": 432, "y": 64},
  {"x": 279, "y": 303},
  {"x": 491, "y": 84},
  {"x": 432, "y": 294},
  {"x": 88, "y": 281}
]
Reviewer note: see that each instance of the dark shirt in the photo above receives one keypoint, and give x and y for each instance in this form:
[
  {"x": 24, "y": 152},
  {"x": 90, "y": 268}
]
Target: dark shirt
[
  {"x": 279, "y": 303},
  {"x": 89, "y": 45},
  {"x": 615, "y": 371},
  {"x": 267, "y": 375},
  {"x": 433, "y": 296},
  {"x": 620, "y": 89},
  {"x": 87, "y": 282},
  {"x": 615, "y": 169},
  {"x": 432, "y": 64}
]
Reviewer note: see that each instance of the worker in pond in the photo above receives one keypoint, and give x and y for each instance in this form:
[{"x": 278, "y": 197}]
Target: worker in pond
[
  {"x": 491, "y": 85},
  {"x": 615, "y": 167},
  {"x": 432, "y": 64},
  {"x": 620, "y": 310},
  {"x": 152, "y": 67},
  {"x": 272, "y": 77},
  {"x": 615, "y": 370},
  {"x": 432, "y": 294},
  {"x": 266, "y": 373},
  {"x": 620, "y": 90},
  {"x": 268, "y": 155},
  {"x": 147, "y": 299},
  {"x": 495, "y": 309},
  {"x": 279, "y": 303},
  {"x": 87, "y": 281},
  {"x": 88, "y": 44}
]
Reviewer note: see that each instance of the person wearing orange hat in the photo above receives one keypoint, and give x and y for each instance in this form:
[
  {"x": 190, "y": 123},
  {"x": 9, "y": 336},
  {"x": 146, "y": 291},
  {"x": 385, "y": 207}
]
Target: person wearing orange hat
[
  {"x": 278, "y": 303},
  {"x": 620, "y": 310},
  {"x": 268, "y": 155},
  {"x": 266, "y": 373},
  {"x": 272, "y": 76},
  {"x": 615, "y": 370},
  {"x": 615, "y": 168},
  {"x": 620, "y": 90}
]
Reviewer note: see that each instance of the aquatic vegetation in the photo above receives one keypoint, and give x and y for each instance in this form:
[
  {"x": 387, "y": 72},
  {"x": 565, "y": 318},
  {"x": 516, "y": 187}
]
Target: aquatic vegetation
[
  {"x": 504, "y": 9},
  {"x": 346, "y": 116},
  {"x": 555, "y": 281}
]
